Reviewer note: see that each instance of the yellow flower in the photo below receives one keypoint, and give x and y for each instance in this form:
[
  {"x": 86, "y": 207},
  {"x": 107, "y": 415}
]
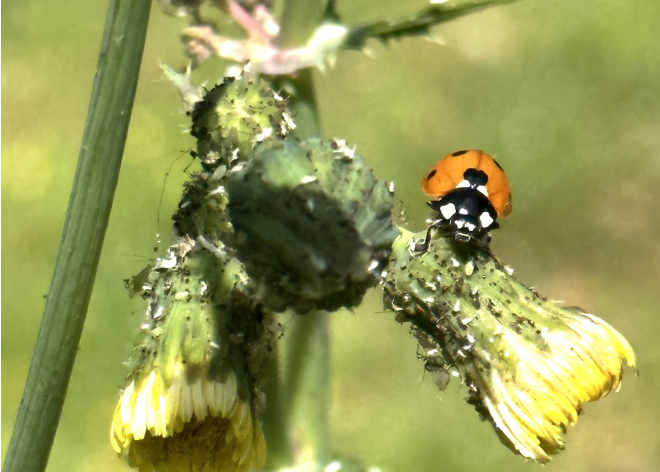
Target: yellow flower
[
  {"x": 534, "y": 395},
  {"x": 190, "y": 402},
  {"x": 201, "y": 424},
  {"x": 529, "y": 363}
]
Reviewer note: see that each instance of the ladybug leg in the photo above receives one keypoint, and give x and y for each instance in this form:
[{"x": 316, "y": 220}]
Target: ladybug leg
[{"x": 427, "y": 240}]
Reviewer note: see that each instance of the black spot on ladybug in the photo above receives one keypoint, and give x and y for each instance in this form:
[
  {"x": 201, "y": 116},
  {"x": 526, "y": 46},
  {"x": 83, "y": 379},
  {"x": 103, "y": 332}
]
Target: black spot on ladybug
[
  {"x": 498, "y": 165},
  {"x": 431, "y": 174},
  {"x": 475, "y": 176},
  {"x": 460, "y": 153}
]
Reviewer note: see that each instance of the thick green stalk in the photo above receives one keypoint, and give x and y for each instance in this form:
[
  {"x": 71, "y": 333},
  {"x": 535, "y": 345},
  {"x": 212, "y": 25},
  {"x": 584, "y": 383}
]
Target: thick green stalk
[
  {"x": 274, "y": 418},
  {"x": 308, "y": 366},
  {"x": 82, "y": 238},
  {"x": 308, "y": 389}
]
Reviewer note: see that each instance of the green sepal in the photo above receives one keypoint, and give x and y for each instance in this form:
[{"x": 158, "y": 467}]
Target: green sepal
[
  {"x": 459, "y": 297},
  {"x": 201, "y": 317}
]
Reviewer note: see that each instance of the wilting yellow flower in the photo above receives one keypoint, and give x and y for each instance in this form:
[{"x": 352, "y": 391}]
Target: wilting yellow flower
[
  {"x": 529, "y": 363},
  {"x": 190, "y": 401},
  {"x": 536, "y": 391},
  {"x": 188, "y": 426}
]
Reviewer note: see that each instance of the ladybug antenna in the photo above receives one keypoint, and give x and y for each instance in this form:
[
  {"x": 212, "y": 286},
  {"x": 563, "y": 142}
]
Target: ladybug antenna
[{"x": 475, "y": 177}]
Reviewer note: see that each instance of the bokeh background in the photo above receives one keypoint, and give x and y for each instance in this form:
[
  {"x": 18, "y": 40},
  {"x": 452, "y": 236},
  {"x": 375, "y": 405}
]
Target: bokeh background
[{"x": 565, "y": 94}]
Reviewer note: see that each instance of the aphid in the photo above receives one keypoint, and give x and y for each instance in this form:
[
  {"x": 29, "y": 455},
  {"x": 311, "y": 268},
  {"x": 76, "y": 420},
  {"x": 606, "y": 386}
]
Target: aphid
[{"x": 469, "y": 190}]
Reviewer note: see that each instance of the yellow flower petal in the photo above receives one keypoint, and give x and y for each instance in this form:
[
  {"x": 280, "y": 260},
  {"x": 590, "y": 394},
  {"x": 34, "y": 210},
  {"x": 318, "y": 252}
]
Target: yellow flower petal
[{"x": 157, "y": 433}]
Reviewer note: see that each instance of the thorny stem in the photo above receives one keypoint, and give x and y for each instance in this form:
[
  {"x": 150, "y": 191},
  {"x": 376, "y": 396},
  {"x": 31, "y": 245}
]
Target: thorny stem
[
  {"x": 417, "y": 24},
  {"x": 82, "y": 238}
]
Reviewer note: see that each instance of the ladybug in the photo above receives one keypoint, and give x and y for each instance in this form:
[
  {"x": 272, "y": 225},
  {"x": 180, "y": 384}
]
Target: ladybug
[{"x": 469, "y": 190}]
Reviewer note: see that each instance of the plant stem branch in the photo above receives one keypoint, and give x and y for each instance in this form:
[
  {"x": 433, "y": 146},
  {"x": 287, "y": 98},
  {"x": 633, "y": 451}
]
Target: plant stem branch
[
  {"x": 87, "y": 217},
  {"x": 417, "y": 24}
]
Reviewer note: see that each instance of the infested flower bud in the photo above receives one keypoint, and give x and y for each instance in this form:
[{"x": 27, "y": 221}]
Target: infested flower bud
[
  {"x": 312, "y": 224},
  {"x": 235, "y": 115},
  {"x": 529, "y": 363},
  {"x": 309, "y": 219},
  {"x": 191, "y": 401}
]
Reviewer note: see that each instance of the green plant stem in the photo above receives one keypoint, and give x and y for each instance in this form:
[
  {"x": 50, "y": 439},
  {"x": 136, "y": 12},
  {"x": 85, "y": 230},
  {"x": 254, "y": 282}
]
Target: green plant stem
[
  {"x": 308, "y": 367},
  {"x": 82, "y": 238},
  {"x": 299, "y": 20},
  {"x": 274, "y": 418},
  {"x": 308, "y": 388},
  {"x": 303, "y": 436},
  {"x": 307, "y": 360}
]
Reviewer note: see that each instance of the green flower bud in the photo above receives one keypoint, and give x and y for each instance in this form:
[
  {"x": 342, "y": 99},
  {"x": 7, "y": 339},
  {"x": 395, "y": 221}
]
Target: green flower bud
[
  {"x": 313, "y": 224},
  {"x": 529, "y": 363},
  {"x": 233, "y": 117}
]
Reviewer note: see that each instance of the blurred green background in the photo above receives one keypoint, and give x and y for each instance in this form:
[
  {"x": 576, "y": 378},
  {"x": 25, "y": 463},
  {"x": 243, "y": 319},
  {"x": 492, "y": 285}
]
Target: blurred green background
[{"x": 565, "y": 94}]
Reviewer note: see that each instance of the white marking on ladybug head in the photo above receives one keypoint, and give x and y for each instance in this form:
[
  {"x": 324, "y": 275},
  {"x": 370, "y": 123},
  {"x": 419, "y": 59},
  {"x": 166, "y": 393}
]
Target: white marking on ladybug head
[
  {"x": 459, "y": 224},
  {"x": 463, "y": 184},
  {"x": 448, "y": 210},
  {"x": 485, "y": 219},
  {"x": 482, "y": 189},
  {"x": 470, "y": 227}
]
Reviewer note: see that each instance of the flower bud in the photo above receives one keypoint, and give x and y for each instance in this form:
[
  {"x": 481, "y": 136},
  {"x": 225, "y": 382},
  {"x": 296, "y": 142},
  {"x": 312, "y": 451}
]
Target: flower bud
[
  {"x": 233, "y": 117},
  {"x": 312, "y": 224}
]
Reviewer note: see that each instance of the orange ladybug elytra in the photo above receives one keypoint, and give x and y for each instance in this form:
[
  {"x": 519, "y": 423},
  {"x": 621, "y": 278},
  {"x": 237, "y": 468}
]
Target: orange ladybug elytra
[
  {"x": 469, "y": 190},
  {"x": 447, "y": 174}
]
